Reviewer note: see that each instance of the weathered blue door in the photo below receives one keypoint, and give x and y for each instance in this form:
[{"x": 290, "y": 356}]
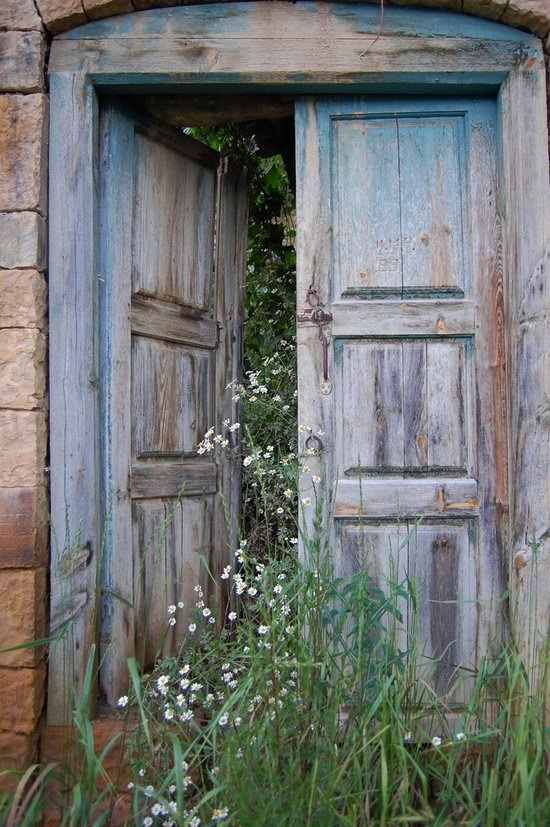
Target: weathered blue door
[
  {"x": 173, "y": 219},
  {"x": 400, "y": 282}
]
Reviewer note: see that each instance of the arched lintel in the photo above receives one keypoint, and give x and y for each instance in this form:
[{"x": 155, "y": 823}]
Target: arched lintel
[{"x": 303, "y": 47}]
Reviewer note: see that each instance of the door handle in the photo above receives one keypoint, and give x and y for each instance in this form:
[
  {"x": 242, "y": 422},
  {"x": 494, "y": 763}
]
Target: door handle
[{"x": 321, "y": 318}]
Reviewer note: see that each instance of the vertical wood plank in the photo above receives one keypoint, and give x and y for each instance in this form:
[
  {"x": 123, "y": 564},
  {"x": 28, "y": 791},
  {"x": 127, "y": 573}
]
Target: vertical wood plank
[
  {"x": 232, "y": 235},
  {"x": 372, "y": 389},
  {"x": 314, "y": 259},
  {"x": 415, "y": 405},
  {"x": 526, "y": 222},
  {"x": 431, "y": 204},
  {"x": 379, "y": 550},
  {"x": 172, "y": 241},
  {"x": 441, "y": 564},
  {"x": 73, "y": 388},
  {"x": 115, "y": 266},
  {"x": 170, "y": 397},
  {"x": 446, "y": 383},
  {"x": 190, "y": 538},
  {"x": 367, "y": 226},
  {"x": 491, "y": 366},
  {"x": 152, "y": 584}
]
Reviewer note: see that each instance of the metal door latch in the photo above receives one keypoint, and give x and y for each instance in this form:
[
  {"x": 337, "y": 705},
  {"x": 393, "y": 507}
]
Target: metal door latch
[{"x": 320, "y": 317}]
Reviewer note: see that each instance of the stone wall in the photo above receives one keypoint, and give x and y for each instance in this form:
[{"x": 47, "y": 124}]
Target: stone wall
[{"x": 25, "y": 29}]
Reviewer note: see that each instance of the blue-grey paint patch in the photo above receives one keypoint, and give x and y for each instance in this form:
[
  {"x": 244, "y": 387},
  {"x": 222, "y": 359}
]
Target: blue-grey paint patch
[
  {"x": 411, "y": 83},
  {"x": 234, "y": 17}
]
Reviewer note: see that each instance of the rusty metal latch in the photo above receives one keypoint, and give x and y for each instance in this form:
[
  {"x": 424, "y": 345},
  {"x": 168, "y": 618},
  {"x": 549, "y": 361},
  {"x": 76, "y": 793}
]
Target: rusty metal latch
[{"x": 320, "y": 317}]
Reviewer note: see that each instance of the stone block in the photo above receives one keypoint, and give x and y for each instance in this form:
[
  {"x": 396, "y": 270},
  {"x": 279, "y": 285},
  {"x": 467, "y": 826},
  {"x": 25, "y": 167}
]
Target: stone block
[
  {"x": 23, "y": 295},
  {"x": 22, "y": 448},
  {"x": 533, "y": 15},
  {"x": 61, "y": 15},
  {"x": 23, "y": 527},
  {"x": 22, "y": 693},
  {"x": 22, "y": 61},
  {"x": 23, "y": 240},
  {"x": 17, "y": 752},
  {"x": 23, "y": 615},
  {"x": 23, "y": 146},
  {"x": 22, "y": 368},
  {"x": 19, "y": 14},
  {"x": 492, "y": 9},
  {"x": 106, "y": 8}
]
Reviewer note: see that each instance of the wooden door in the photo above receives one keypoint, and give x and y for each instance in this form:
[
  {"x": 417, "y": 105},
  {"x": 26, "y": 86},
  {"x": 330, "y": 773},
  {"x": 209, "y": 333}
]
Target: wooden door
[
  {"x": 399, "y": 252},
  {"x": 173, "y": 223}
]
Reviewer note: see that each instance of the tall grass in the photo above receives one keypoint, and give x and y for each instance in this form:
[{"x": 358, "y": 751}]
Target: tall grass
[{"x": 304, "y": 712}]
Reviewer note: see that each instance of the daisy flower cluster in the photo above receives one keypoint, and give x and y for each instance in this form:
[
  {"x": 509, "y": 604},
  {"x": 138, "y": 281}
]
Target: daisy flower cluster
[{"x": 270, "y": 473}]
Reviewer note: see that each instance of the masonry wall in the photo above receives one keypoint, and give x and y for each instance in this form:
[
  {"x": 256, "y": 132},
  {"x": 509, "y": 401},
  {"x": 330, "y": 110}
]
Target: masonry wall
[{"x": 26, "y": 27}]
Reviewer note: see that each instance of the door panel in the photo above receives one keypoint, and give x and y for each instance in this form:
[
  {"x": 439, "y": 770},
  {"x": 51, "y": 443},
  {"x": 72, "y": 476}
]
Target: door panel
[
  {"x": 403, "y": 406},
  {"x": 398, "y": 244},
  {"x": 171, "y": 398},
  {"x": 173, "y": 226},
  {"x": 410, "y": 241},
  {"x": 171, "y": 317}
]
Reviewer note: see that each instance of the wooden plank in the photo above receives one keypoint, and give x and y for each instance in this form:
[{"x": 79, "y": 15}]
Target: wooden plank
[
  {"x": 216, "y": 109},
  {"x": 162, "y": 478},
  {"x": 232, "y": 236},
  {"x": 173, "y": 225},
  {"x": 347, "y": 20},
  {"x": 446, "y": 372},
  {"x": 381, "y": 551},
  {"x": 191, "y": 538},
  {"x": 115, "y": 266},
  {"x": 73, "y": 386},
  {"x": 526, "y": 221},
  {"x": 492, "y": 371},
  {"x": 151, "y": 575},
  {"x": 314, "y": 281},
  {"x": 372, "y": 406},
  {"x": 430, "y": 202},
  {"x": 377, "y": 498},
  {"x": 172, "y": 322},
  {"x": 266, "y": 43},
  {"x": 170, "y": 537},
  {"x": 171, "y": 400},
  {"x": 415, "y": 406},
  {"x": 391, "y": 317},
  {"x": 366, "y": 228},
  {"x": 442, "y": 567}
]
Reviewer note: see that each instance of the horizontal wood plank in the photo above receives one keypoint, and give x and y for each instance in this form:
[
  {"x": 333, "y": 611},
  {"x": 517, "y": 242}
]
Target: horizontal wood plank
[
  {"x": 377, "y": 498},
  {"x": 257, "y": 20},
  {"x": 272, "y": 60},
  {"x": 155, "y": 479},
  {"x": 294, "y": 44},
  {"x": 172, "y": 322},
  {"x": 401, "y": 318}
]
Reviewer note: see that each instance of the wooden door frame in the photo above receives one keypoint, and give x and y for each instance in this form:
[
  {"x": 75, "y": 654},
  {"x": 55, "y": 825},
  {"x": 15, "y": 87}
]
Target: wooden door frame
[{"x": 298, "y": 48}]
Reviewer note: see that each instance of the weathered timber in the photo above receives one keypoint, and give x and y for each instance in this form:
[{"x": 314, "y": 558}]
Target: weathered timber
[
  {"x": 213, "y": 110},
  {"x": 398, "y": 318},
  {"x": 294, "y": 46},
  {"x": 405, "y": 498},
  {"x": 170, "y": 340},
  {"x": 526, "y": 235},
  {"x": 74, "y": 398},
  {"x": 402, "y": 418}
]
